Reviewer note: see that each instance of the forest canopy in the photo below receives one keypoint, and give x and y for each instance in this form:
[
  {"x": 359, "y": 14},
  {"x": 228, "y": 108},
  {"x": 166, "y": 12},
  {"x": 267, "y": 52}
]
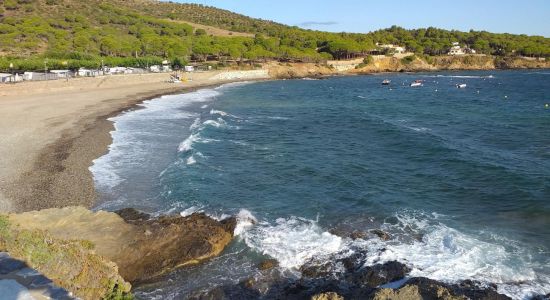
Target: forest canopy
[{"x": 134, "y": 31}]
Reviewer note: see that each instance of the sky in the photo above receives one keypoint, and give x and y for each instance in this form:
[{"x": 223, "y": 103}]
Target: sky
[{"x": 530, "y": 17}]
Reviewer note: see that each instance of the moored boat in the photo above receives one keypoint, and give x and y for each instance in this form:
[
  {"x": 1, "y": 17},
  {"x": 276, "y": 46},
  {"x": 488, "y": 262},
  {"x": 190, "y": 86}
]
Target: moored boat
[
  {"x": 386, "y": 82},
  {"x": 416, "y": 83},
  {"x": 461, "y": 85}
]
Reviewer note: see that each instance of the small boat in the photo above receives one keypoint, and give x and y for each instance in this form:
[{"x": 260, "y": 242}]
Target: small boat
[
  {"x": 461, "y": 86},
  {"x": 416, "y": 83},
  {"x": 386, "y": 82}
]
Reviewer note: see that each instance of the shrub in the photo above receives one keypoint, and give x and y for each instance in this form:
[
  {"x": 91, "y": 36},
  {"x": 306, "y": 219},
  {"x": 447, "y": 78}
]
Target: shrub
[
  {"x": 408, "y": 59},
  {"x": 10, "y": 4}
]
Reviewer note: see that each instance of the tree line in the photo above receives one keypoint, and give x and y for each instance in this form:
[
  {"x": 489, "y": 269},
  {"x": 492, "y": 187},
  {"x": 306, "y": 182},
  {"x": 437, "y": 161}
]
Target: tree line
[{"x": 80, "y": 33}]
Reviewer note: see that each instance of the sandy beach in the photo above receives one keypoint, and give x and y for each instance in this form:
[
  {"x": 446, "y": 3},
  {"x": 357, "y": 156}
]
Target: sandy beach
[{"x": 51, "y": 131}]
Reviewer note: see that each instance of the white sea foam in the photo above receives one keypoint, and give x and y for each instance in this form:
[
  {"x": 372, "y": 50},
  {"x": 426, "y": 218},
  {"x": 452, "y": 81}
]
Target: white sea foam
[
  {"x": 278, "y": 118},
  {"x": 187, "y": 144},
  {"x": 429, "y": 247},
  {"x": 196, "y": 124},
  {"x": 222, "y": 113},
  {"x": 191, "y": 160},
  {"x": 245, "y": 220},
  {"x": 219, "y": 123},
  {"x": 292, "y": 241},
  {"x": 191, "y": 210},
  {"x": 128, "y": 149},
  {"x": 418, "y": 129},
  {"x": 449, "y": 255}
]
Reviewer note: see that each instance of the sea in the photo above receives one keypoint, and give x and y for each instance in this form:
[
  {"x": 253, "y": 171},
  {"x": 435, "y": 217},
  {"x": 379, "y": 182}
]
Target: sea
[{"x": 459, "y": 177}]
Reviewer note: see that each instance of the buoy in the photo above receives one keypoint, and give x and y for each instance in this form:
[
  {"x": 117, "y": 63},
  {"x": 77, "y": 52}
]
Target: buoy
[
  {"x": 547, "y": 105},
  {"x": 436, "y": 90},
  {"x": 505, "y": 97},
  {"x": 478, "y": 92}
]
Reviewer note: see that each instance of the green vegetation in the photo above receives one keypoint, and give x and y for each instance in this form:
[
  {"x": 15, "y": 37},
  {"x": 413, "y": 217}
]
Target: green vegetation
[
  {"x": 73, "y": 34},
  {"x": 4, "y": 231},
  {"x": 366, "y": 61},
  {"x": 70, "y": 264},
  {"x": 408, "y": 59}
]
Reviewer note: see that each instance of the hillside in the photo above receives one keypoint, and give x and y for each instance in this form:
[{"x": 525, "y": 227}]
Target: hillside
[{"x": 72, "y": 34}]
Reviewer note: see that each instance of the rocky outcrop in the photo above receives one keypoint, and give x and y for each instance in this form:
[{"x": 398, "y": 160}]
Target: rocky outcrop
[
  {"x": 329, "y": 280},
  {"x": 268, "y": 264},
  {"x": 298, "y": 70},
  {"x": 164, "y": 243},
  {"x": 105, "y": 244},
  {"x": 445, "y": 62},
  {"x": 70, "y": 264},
  {"x": 327, "y": 296},
  {"x": 424, "y": 288}
]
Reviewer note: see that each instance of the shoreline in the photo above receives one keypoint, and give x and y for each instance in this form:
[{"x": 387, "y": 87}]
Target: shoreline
[
  {"x": 56, "y": 173},
  {"x": 61, "y": 146}
]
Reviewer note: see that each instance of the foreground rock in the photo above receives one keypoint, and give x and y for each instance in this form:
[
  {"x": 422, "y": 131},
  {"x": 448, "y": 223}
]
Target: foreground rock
[
  {"x": 18, "y": 281},
  {"x": 142, "y": 247},
  {"x": 349, "y": 278},
  {"x": 70, "y": 264},
  {"x": 424, "y": 288}
]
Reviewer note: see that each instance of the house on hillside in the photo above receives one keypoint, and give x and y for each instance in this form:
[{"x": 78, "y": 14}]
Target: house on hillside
[
  {"x": 456, "y": 49},
  {"x": 392, "y": 48},
  {"x": 189, "y": 69}
]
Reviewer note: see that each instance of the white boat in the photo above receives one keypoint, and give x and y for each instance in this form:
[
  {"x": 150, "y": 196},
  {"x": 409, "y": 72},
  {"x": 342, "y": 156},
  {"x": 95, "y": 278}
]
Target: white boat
[
  {"x": 386, "y": 82},
  {"x": 416, "y": 83},
  {"x": 461, "y": 86}
]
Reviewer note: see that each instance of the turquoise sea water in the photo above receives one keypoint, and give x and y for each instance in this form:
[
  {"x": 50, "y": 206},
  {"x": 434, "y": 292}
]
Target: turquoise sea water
[{"x": 459, "y": 177}]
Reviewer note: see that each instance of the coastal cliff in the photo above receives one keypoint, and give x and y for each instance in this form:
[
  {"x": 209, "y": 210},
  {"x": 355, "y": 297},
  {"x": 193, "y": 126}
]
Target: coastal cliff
[
  {"x": 96, "y": 255},
  {"x": 414, "y": 63},
  {"x": 407, "y": 63}
]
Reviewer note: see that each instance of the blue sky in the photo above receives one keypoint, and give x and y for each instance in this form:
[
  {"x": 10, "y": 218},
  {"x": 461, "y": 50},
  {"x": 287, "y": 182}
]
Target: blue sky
[{"x": 529, "y": 16}]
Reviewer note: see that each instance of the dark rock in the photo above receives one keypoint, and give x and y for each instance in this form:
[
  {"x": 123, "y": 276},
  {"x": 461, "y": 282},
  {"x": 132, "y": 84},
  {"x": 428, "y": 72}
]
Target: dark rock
[
  {"x": 358, "y": 235},
  {"x": 376, "y": 275},
  {"x": 131, "y": 215},
  {"x": 542, "y": 297},
  {"x": 381, "y": 234},
  {"x": 313, "y": 270},
  {"x": 432, "y": 289},
  {"x": 268, "y": 264},
  {"x": 327, "y": 296},
  {"x": 229, "y": 224}
]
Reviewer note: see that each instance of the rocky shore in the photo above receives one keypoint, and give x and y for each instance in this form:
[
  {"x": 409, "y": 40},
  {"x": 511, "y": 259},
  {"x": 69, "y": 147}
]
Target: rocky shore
[
  {"x": 98, "y": 255},
  {"x": 387, "y": 281}
]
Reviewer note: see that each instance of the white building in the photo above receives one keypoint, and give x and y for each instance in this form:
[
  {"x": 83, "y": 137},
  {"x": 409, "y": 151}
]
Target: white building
[
  {"x": 89, "y": 73},
  {"x": 456, "y": 49},
  {"x": 61, "y": 73},
  {"x": 393, "y": 48},
  {"x": 189, "y": 69}
]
